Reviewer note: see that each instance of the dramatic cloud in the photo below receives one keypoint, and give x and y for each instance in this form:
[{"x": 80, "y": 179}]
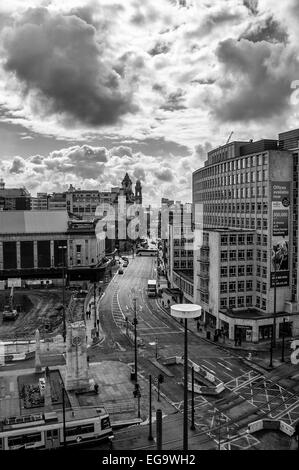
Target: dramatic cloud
[
  {"x": 72, "y": 74},
  {"x": 164, "y": 174},
  {"x": 58, "y": 59},
  {"x": 252, "y": 6},
  {"x": 121, "y": 151},
  {"x": 97, "y": 168},
  {"x": 174, "y": 101},
  {"x": 257, "y": 79},
  {"x": 17, "y": 165},
  {"x": 268, "y": 30}
]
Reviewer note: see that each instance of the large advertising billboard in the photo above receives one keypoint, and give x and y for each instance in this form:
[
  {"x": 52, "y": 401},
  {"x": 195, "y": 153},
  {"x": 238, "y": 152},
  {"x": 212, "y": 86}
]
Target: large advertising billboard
[{"x": 280, "y": 192}]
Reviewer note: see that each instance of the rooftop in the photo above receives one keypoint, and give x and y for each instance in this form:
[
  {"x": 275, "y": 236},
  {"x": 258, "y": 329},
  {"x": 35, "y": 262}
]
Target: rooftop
[
  {"x": 249, "y": 314},
  {"x": 14, "y": 192},
  {"x": 33, "y": 221},
  {"x": 186, "y": 274}
]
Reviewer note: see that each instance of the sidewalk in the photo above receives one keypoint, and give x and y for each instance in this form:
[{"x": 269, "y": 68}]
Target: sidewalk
[
  {"x": 91, "y": 322},
  {"x": 253, "y": 354}
]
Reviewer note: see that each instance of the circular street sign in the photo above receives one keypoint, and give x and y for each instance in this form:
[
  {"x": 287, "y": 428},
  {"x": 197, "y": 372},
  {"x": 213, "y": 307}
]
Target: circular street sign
[{"x": 76, "y": 341}]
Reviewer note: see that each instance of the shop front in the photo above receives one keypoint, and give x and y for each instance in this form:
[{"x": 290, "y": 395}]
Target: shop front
[
  {"x": 210, "y": 320},
  {"x": 243, "y": 333}
]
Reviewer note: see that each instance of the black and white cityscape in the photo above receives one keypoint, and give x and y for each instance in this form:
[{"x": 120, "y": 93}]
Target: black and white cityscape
[{"x": 149, "y": 204}]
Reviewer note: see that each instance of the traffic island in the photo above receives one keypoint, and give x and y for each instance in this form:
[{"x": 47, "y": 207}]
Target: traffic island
[{"x": 205, "y": 382}]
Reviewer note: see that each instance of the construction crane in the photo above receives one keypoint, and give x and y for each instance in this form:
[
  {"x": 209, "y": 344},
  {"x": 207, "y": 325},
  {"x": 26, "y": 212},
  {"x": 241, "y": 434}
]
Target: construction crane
[
  {"x": 9, "y": 312},
  {"x": 229, "y": 137}
]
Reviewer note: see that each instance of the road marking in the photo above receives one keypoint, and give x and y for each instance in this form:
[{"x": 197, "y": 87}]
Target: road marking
[
  {"x": 153, "y": 328},
  {"x": 228, "y": 368},
  {"x": 210, "y": 370},
  {"x": 226, "y": 373},
  {"x": 226, "y": 360},
  {"x": 162, "y": 333}
]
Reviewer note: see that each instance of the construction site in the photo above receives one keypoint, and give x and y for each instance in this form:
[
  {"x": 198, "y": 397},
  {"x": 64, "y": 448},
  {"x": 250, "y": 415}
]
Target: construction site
[{"x": 22, "y": 311}]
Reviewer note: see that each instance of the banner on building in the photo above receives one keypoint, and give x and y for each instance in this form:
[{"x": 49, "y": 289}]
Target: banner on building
[
  {"x": 14, "y": 282},
  {"x": 280, "y": 193}
]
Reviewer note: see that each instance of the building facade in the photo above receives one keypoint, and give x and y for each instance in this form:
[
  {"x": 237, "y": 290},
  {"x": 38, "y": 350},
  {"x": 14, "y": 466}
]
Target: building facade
[
  {"x": 245, "y": 191},
  {"x": 14, "y": 199},
  {"x": 36, "y": 244},
  {"x": 40, "y": 202},
  {"x": 178, "y": 249}
]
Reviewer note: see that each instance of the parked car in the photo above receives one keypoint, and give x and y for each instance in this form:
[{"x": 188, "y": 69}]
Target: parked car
[
  {"x": 125, "y": 259},
  {"x": 120, "y": 271},
  {"x": 125, "y": 264}
]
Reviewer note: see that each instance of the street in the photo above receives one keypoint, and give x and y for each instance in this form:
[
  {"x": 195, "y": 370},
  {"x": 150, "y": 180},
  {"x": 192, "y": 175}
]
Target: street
[
  {"x": 220, "y": 420},
  {"x": 247, "y": 393}
]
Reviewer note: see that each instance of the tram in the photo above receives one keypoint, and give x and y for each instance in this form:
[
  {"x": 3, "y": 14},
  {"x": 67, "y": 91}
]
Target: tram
[{"x": 45, "y": 431}]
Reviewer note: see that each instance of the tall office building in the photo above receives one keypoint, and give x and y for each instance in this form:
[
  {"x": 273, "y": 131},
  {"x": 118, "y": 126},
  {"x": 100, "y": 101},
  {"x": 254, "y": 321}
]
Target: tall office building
[{"x": 248, "y": 199}]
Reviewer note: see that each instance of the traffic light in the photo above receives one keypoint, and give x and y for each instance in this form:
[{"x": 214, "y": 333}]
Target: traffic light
[
  {"x": 136, "y": 392},
  {"x": 160, "y": 378}
]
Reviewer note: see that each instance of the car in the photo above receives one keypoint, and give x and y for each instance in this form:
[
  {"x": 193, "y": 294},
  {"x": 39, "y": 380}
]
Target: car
[
  {"x": 120, "y": 271},
  {"x": 125, "y": 259},
  {"x": 125, "y": 264}
]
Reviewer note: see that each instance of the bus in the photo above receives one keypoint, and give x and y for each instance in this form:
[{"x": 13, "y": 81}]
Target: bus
[
  {"x": 45, "y": 430},
  {"x": 144, "y": 252},
  {"x": 152, "y": 288}
]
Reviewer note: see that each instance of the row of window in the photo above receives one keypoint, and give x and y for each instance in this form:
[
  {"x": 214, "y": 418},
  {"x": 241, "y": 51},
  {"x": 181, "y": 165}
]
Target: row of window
[
  {"x": 234, "y": 286},
  {"x": 241, "y": 255},
  {"x": 85, "y": 209},
  {"x": 233, "y": 179},
  {"x": 243, "y": 207},
  {"x": 242, "y": 239},
  {"x": 183, "y": 253},
  {"x": 185, "y": 286},
  {"x": 183, "y": 264},
  {"x": 182, "y": 241},
  {"x": 232, "y": 193},
  {"x": 240, "y": 271},
  {"x": 241, "y": 222},
  {"x": 236, "y": 164},
  {"x": 239, "y": 286},
  {"x": 233, "y": 270},
  {"x": 241, "y": 301}
]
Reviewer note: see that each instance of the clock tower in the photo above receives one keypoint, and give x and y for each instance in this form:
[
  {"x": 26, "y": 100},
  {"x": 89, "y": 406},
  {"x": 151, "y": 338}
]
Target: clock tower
[{"x": 76, "y": 357}]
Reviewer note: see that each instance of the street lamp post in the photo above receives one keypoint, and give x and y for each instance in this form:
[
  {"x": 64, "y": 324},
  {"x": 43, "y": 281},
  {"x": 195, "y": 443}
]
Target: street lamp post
[
  {"x": 272, "y": 342},
  {"x": 135, "y": 322},
  {"x": 63, "y": 416},
  {"x": 274, "y": 306},
  {"x": 184, "y": 312},
  {"x": 150, "y": 435},
  {"x": 283, "y": 336},
  {"x": 192, "y": 402},
  {"x": 62, "y": 248},
  {"x": 94, "y": 303}
]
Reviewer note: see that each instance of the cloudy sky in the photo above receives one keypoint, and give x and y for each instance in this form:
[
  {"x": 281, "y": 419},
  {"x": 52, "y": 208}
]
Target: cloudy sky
[{"x": 92, "y": 89}]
